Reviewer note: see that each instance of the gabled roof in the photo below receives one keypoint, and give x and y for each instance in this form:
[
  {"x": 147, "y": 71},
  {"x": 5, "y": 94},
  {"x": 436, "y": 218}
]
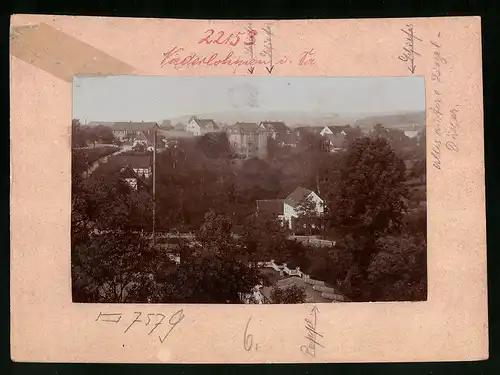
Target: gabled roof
[
  {"x": 297, "y": 196},
  {"x": 128, "y": 172},
  {"x": 270, "y": 206},
  {"x": 277, "y": 126},
  {"x": 338, "y": 129},
  {"x": 141, "y": 137},
  {"x": 244, "y": 127},
  {"x": 134, "y": 126},
  {"x": 204, "y": 123}
]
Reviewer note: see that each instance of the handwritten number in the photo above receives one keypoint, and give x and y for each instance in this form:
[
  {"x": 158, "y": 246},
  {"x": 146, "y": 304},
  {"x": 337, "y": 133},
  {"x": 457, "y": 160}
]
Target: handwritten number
[
  {"x": 206, "y": 39},
  {"x": 220, "y": 35},
  {"x": 157, "y": 323},
  {"x": 235, "y": 43},
  {"x": 173, "y": 321},
  {"x": 248, "y": 339},
  {"x": 135, "y": 321}
]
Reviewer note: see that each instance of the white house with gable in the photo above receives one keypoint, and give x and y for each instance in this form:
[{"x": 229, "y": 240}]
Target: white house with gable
[
  {"x": 295, "y": 199},
  {"x": 198, "y": 126}
]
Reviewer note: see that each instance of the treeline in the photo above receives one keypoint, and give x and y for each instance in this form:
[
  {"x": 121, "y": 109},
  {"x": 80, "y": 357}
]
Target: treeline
[{"x": 84, "y": 135}]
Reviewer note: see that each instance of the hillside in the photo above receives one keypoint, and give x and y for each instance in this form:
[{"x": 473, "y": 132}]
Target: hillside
[{"x": 401, "y": 120}]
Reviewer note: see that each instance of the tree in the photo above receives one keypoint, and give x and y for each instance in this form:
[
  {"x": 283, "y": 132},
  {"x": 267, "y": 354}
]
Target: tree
[
  {"x": 372, "y": 190},
  {"x": 215, "y": 233},
  {"x": 263, "y": 237},
  {"x": 215, "y": 145},
  {"x": 398, "y": 270},
  {"x": 307, "y": 213},
  {"x": 78, "y": 134},
  {"x": 291, "y": 294},
  {"x": 113, "y": 268},
  {"x": 418, "y": 170},
  {"x": 371, "y": 204}
]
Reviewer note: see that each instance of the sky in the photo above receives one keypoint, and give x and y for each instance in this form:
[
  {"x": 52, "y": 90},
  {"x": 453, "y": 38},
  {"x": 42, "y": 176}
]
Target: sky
[{"x": 154, "y": 98}]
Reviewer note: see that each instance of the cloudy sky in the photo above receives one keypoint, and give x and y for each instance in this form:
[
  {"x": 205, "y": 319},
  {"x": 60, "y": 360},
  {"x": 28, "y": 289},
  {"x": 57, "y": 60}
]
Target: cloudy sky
[{"x": 153, "y": 98}]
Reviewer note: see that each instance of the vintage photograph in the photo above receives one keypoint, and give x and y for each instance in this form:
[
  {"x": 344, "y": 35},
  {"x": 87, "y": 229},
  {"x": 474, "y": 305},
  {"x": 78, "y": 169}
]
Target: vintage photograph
[{"x": 248, "y": 190}]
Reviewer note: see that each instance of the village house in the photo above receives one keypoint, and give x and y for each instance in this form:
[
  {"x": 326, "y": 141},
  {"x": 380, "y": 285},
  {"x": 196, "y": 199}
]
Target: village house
[
  {"x": 342, "y": 130},
  {"x": 129, "y": 175},
  {"x": 275, "y": 128},
  {"x": 335, "y": 142},
  {"x": 198, "y": 126},
  {"x": 141, "y": 164},
  {"x": 127, "y": 130},
  {"x": 248, "y": 139},
  {"x": 411, "y": 133},
  {"x": 288, "y": 210}
]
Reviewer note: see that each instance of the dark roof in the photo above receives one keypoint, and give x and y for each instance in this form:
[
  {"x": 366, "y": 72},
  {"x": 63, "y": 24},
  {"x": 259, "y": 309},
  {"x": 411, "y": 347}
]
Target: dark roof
[
  {"x": 128, "y": 172},
  {"x": 277, "y": 126},
  {"x": 180, "y": 126},
  {"x": 131, "y": 126},
  {"x": 204, "y": 123},
  {"x": 338, "y": 129},
  {"x": 297, "y": 196},
  {"x": 270, "y": 206},
  {"x": 175, "y": 134},
  {"x": 311, "y": 129},
  {"x": 244, "y": 127},
  {"x": 336, "y": 140},
  {"x": 135, "y": 161}
]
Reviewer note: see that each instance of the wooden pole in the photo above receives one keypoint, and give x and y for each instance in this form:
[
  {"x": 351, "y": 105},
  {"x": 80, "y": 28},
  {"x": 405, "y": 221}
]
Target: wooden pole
[{"x": 154, "y": 187}]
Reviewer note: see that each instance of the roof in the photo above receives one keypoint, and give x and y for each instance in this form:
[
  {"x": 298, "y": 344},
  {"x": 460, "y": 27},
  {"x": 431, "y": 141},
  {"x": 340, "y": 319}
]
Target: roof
[
  {"x": 135, "y": 161},
  {"x": 270, "y": 206},
  {"x": 277, "y": 126},
  {"x": 338, "y": 129},
  {"x": 204, "y": 123},
  {"x": 337, "y": 140},
  {"x": 128, "y": 172},
  {"x": 130, "y": 126},
  {"x": 312, "y": 129},
  {"x": 175, "y": 134},
  {"x": 141, "y": 137},
  {"x": 297, "y": 196},
  {"x": 244, "y": 127}
]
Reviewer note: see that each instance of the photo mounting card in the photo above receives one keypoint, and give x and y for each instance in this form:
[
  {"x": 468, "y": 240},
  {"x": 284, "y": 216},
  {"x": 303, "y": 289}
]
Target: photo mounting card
[{"x": 247, "y": 191}]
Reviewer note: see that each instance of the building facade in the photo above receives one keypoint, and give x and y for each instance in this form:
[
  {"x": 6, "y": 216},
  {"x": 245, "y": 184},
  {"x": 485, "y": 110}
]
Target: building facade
[{"x": 248, "y": 139}]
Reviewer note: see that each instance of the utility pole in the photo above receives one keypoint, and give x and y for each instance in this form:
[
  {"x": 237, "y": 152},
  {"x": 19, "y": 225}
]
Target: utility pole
[{"x": 154, "y": 186}]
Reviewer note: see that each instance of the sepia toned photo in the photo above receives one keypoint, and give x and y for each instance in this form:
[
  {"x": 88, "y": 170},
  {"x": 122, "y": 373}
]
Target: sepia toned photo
[{"x": 248, "y": 190}]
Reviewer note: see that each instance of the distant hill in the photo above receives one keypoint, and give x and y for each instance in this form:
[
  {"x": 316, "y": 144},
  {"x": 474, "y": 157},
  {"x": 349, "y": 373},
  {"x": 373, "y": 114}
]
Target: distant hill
[{"x": 404, "y": 121}]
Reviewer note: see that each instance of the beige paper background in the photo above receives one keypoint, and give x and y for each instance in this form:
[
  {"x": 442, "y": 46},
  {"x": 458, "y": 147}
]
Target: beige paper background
[{"x": 47, "y": 326}]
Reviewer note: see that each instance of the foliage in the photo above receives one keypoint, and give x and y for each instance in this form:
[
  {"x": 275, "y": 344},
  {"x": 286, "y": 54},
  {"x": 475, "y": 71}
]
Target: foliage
[
  {"x": 263, "y": 237},
  {"x": 82, "y": 135},
  {"x": 215, "y": 145},
  {"x": 291, "y": 294},
  {"x": 113, "y": 267},
  {"x": 372, "y": 188},
  {"x": 418, "y": 170},
  {"x": 397, "y": 271}
]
